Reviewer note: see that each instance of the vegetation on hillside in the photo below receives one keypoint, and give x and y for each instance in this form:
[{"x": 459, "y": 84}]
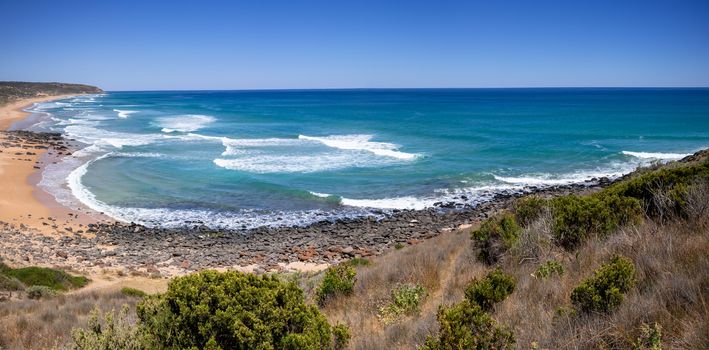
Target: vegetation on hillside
[
  {"x": 33, "y": 278},
  {"x": 14, "y": 90}
]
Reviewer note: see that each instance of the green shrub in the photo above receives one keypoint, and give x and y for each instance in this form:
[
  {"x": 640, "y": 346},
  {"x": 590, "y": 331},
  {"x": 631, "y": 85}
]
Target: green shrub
[
  {"x": 673, "y": 181},
  {"x": 338, "y": 280},
  {"x": 10, "y": 283},
  {"x": 406, "y": 300},
  {"x": 233, "y": 310},
  {"x": 115, "y": 332},
  {"x": 342, "y": 336},
  {"x": 42, "y": 276},
  {"x": 491, "y": 289},
  {"x": 40, "y": 292},
  {"x": 576, "y": 218},
  {"x": 358, "y": 262},
  {"x": 549, "y": 268},
  {"x": 467, "y": 326},
  {"x": 650, "y": 338},
  {"x": 528, "y": 209},
  {"x": 133, "y": 292},
  {"x": 495, "y": 236},
  {"x": 604, "y": 291},
  {"x": 398, "y": 246}
]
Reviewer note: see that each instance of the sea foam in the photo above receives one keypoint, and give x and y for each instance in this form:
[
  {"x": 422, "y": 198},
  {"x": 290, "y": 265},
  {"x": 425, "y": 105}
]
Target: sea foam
[
  {"x": 656, "y": 155},
  {"x": 124, "y": 114},
  {"x": 184, "y": 123},
  {"x": 361, "y": 142}
]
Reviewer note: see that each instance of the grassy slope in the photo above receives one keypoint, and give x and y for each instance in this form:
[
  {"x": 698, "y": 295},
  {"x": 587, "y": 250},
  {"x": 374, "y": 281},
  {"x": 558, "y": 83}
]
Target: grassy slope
[
  {"x": 671, "y": 258},
  {"x": 42, "y": 276}
]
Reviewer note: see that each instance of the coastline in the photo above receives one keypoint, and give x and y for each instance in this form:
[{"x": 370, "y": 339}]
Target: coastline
[
  {"x": 36, "y": 230},
  {"x": 22, "y": 161},
  {"x": 14, "y": 111}
]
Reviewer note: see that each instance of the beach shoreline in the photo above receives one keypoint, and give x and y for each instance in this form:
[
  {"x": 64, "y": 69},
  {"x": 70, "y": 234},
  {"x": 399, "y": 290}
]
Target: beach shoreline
[{"x": 22, "y": 162}]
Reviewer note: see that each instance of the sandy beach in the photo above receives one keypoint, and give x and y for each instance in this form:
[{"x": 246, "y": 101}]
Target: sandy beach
[{"x": 21, "y": 202}]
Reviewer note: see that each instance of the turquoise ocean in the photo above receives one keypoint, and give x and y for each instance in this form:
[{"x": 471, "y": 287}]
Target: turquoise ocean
[{"x": 242, "y": 159}]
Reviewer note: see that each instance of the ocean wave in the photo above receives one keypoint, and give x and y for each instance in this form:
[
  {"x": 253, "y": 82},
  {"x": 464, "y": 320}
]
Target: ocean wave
[
  {"x": 256, "y": 162},
  {"x": 363, "y": 143},
  {"x": 94, "y": 136},
  {"x": 138, "y": 155},
  {"x": 124, "y": 113},
  {"x": 656, "y": 155},
  {"x": 173, "y": 218},
  {"x": 184, "y": 123},
  {"x": 306, "y": 154},
  {"x": 407, "y": 202},
  {"x": 80, "y": 192},
  {"x": 321, "y": 195}
]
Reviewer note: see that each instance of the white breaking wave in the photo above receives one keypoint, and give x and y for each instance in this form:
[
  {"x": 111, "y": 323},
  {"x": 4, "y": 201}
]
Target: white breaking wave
[
  {"x": 256, "y": 162},
  {"x": 138, "y": 155},
  {"x": 306, "y": 154},
  {"x": 407, "y": 202},
  {"x": 656, "y": 155},
  {"x": 361, "y": 142},
  {"x": 184, "y": 123},
  {"x": 82, "y": 193},
  {"x": 100, "y": 137},
  {"x": 124, "y": 114},
  {"x": 321, "y": 195}
]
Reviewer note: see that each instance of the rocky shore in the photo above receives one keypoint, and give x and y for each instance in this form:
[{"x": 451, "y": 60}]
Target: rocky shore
[{"x": 136, "y": 249}]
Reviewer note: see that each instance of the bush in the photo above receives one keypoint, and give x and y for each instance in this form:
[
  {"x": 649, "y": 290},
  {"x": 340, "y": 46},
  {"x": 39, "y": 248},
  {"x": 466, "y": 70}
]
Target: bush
[
  {"x": 468, "y": 326},
  {"x": 358, "y": 262},
  {"x": 576, "y": 218},
  {"x": 650, "y": 338},
  {"x": 405, "y": 300},
  {"x": 39, "y": 292},
  {"x": 495, "y": 236},
  {"x": 528, "y": 209},
  {"x": 338, "y": 280},
  {"x": 42, "y": 276},
  {"x": 233, "y": 310},
  {"x": 133, "y": 292},
  {"x": 491, "y": 289},
  {"x": 342, "y": 336},
  {"x": 673, "y": 181},
  {"x": 549, "y": 268},
  {"x": 8, "y": 283},
  {"x": 604, "y": 291},
  {"x": 116, "y": 332}
]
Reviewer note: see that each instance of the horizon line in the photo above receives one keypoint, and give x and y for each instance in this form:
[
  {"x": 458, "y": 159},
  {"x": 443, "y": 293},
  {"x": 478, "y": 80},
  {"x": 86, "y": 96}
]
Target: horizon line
[{"x": 428, "y": 88}]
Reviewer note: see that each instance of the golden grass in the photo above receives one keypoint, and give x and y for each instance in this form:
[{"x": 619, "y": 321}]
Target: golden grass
[
  {"x": 47, "y": 323},
  {"x": 671, "y": 259}
]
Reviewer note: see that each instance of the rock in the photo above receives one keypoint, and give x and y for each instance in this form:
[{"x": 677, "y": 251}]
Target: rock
[{"x": 62, "y": 254}]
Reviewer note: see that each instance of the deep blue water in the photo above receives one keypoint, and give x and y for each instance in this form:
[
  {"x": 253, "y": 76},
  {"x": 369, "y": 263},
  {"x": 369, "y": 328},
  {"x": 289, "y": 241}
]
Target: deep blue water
[{"x": 234, "y": 158}]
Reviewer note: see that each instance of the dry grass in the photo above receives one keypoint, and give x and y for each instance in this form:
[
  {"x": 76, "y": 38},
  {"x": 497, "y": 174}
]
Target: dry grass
[
  {"x": 673, "y": 285},
  {"x": 442, "y": 265},
  {"x": 671, "y": 260},
  {"x": 47, "y": 323}
]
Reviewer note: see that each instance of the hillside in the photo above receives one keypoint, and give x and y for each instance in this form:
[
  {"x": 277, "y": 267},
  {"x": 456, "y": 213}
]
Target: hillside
[{"x": 14, "y": 90}]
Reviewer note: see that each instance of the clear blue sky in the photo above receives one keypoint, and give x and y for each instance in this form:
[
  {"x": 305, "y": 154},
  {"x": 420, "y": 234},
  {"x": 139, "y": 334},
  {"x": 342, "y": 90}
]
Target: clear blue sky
[{"x": 142, "y": 45}]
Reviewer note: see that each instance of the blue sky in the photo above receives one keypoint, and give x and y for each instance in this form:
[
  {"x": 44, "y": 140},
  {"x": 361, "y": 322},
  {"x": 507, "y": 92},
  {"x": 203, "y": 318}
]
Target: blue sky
[{"x": 145, "y": 45}]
